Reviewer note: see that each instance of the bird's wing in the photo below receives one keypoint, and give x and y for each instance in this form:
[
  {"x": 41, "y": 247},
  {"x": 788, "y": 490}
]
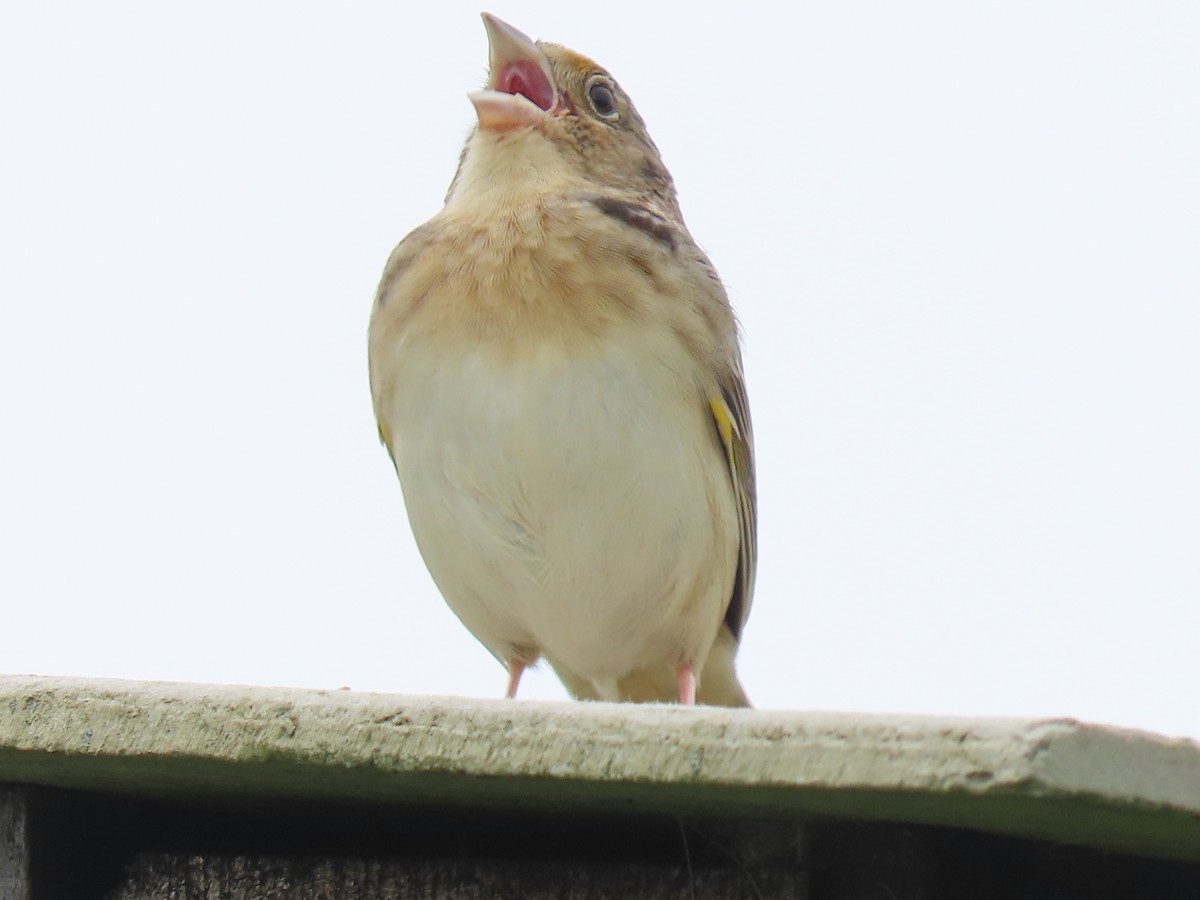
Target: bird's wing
[
  {"x": 731, "y": 413},
  {"x": 727, "y": 400},
  {"x": 394, "y": 304}
]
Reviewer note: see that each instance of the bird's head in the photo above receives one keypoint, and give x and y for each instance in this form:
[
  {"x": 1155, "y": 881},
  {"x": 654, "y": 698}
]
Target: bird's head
[{"x": 550, "y": 114}]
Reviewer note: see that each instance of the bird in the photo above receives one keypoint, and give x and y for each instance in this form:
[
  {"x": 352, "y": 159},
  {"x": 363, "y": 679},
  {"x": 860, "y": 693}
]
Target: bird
[{"x": 556, "y": 374}]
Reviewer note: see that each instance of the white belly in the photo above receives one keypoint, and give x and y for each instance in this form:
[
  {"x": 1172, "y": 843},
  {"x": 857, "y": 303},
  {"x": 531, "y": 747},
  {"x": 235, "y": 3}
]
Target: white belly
[{"x": 576, "y": 508}]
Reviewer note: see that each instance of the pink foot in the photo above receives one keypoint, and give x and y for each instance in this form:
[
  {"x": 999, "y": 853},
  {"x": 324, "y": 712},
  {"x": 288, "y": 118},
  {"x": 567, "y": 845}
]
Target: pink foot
[
  {"x": 515, "y": 669},
  {"x": 687, "y": 685}
]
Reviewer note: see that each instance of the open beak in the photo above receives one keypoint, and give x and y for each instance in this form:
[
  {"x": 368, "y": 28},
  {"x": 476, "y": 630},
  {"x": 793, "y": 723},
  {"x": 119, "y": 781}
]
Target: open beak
[{"x": 520, "y": 89}]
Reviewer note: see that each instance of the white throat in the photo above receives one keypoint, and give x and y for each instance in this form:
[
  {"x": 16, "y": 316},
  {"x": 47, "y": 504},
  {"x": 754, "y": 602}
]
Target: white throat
[{"x": 507, "y": 169}]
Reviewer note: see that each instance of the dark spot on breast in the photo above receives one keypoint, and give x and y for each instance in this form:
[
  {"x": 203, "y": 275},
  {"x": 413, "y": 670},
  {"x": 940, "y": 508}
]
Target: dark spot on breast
[
  {"x": 394, "y": 270},
  {"x": 655, "y": 172},
  {"x": 638, "y": 217},
  {"x": 644, "y": 264},
  {"x": 402, "y": 257}
]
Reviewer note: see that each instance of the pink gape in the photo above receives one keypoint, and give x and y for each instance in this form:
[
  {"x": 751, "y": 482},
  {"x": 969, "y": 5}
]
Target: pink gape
[{"x": 527, "y": 79}]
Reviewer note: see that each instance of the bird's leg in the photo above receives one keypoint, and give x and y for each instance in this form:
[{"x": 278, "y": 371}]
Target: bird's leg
[
  {"x": 687, "y": 684},
  {"x": 515, "y": 669}
]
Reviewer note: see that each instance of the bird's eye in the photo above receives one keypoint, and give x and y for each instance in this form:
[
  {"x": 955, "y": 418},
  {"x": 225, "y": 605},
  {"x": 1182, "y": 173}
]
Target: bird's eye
[{"x": 603, "y": 100}]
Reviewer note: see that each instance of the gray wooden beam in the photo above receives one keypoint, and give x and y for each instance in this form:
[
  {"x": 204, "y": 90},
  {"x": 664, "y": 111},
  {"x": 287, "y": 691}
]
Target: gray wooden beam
[
  {"x": 15, "y": 851},
  {"x": 163, "y": 876}
]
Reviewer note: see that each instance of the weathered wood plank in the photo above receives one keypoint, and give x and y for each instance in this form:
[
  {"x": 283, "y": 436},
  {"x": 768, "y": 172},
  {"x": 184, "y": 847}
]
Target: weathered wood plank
[
  {"x": 15, "y": 849},
  {"x": 181, "y": 877},
  {"x": 1050, "y": 780}
]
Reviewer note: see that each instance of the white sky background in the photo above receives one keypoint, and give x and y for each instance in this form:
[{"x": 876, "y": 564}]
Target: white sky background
[{"x": 963, "y": 240}]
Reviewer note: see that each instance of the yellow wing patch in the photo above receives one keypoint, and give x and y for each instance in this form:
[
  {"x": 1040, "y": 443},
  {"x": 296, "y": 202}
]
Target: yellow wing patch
[
  {"x": 727, "y": 427},
  {"x": 384, "y": 437},
  {"x": 732, "y": 418}
]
